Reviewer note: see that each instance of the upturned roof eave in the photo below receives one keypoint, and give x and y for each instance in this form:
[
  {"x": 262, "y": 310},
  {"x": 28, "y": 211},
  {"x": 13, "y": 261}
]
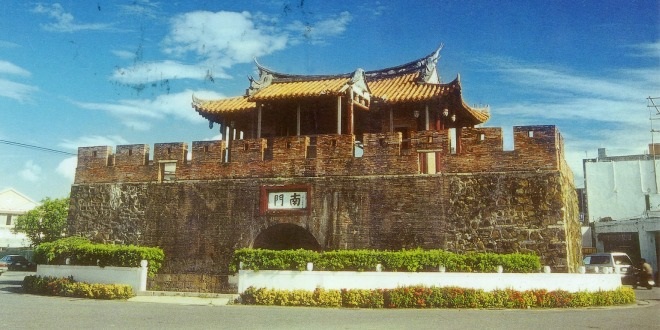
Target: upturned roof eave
[{"x": 398, "y": 70}]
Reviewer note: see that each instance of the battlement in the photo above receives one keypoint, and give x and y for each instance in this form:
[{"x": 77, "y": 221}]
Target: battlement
[{"x": 426, "y": 152}]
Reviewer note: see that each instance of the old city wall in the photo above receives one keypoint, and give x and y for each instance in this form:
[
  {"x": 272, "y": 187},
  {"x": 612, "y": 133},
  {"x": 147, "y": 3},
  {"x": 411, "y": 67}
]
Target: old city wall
[
  {"x": 498, "y": 201},
  {"x": 200, "y": 224},
  {"x": 481, "y": 150}
]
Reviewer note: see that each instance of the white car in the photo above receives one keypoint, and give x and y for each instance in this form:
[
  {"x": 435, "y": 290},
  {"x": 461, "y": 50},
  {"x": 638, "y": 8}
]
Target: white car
[{"x": 617, "y": 262}]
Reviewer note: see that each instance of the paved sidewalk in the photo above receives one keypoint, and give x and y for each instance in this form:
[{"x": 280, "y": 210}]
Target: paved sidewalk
[{"x": 184, "y": 298}]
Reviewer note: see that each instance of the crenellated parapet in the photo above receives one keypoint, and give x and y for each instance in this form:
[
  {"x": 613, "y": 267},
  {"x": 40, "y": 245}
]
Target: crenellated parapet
[
  {"x": 425, "y": 152},
  {"x": 481, "y": 150}
]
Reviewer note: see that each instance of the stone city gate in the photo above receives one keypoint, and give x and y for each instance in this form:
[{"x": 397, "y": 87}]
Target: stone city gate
[
  {"x": 286, "y": 237},
  {"x": 385, "y": 159}
]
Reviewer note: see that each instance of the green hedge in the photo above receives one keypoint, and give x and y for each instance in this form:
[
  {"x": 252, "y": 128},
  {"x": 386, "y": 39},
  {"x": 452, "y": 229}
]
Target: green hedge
[
  {"x": 82, "y": 252},
  {"x": 67, "y": 287},
  {"x": 436, "y": 297},
  {"x": 397, "y": 261}
]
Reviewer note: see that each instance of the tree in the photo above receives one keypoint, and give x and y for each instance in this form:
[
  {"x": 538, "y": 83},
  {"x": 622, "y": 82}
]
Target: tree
[{"x": 46, "y": 222}]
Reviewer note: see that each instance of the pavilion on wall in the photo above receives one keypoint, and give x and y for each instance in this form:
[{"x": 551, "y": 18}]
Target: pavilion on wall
[{"x": 405, "y": 98}]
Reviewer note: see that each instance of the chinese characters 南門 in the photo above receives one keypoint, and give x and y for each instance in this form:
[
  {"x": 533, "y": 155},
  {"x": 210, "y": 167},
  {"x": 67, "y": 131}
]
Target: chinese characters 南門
[{"x": 287, "y": 200}]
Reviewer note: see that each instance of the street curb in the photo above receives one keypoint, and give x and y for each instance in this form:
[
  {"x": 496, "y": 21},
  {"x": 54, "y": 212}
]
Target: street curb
[{"x": 184, "y": 298}]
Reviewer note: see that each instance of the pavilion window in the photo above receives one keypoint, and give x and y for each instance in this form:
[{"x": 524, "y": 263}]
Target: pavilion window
[
  {"x": 167, "y": 171},
  {"x": 427, "y": 163}
]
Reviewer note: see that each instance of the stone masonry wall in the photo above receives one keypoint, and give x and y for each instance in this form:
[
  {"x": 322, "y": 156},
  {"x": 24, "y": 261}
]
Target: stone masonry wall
[
  {"x": 482, "y": 198},
  {"x": 201, "y": 223}
]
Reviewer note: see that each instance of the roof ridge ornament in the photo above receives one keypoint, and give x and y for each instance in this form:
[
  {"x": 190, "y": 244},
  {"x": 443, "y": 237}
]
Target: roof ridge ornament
[
  {"x": 265, "y": 79},
  {"x": 428, "y": 68},
  {"x": 358, "y": 75},
  {"x": 196, "y": 101}
]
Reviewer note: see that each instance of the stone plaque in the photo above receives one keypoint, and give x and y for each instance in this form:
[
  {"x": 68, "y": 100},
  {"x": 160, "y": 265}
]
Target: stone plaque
[{"x": 287, "y": 200}]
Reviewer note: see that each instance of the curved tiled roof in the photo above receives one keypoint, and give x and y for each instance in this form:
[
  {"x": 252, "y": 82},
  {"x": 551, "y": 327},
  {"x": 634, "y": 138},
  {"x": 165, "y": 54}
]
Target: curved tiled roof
[
  {"x": 415, "y": 81},
  {"x": 406, "y": 88},
  {"x": 297, "y": 89},
  {"x": 233, "y": 104}
]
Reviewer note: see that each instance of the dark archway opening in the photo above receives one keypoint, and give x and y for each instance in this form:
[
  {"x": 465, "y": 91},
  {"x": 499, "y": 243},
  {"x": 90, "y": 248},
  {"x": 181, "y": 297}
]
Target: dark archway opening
[{"x": 286, "y": 237}]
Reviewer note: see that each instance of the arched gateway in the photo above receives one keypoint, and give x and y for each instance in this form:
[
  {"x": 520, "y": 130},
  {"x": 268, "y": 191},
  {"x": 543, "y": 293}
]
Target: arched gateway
[{"x": 286, "y": 237}]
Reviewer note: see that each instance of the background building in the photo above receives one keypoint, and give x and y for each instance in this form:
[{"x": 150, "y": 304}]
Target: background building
[
  {"x": 12, "y": 205},
  {"x": 624, "y": 203}
]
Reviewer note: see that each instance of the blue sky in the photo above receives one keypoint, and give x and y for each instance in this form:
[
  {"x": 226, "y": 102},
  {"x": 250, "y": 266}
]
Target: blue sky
[{"x": 83, "y": 73}]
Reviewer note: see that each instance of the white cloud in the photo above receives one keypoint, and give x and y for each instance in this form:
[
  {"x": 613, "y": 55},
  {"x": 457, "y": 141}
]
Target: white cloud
[
  {"x": 230, "y": 37},
  {"x": 11, "y": 89},
  {"x": 216, "y": 41},
  {"x": 8, "y": 44},
  {"x": 139, "y": 114},
  {"x": 64, "y": 21},
  {"x": 124, "y": 54},
  {"x": 30, "y": 172},
  {"x": 651, "y": 49},
  {"x": 16, "y": 91},
  {"x": 11, "y": 68},
  {"x": 123, "y": 109},
  {"x": 317, "y": 32},
  {"x": 542, "y": 79},
  {"x": 578, "y": 108},
  {"x": 142, "y": 8},
  {"x": 145, "y": 72},
  {"x": 93, "y": 140},
  {"x": 591, "y": 112},
  {"x": 67, "y": 168}
]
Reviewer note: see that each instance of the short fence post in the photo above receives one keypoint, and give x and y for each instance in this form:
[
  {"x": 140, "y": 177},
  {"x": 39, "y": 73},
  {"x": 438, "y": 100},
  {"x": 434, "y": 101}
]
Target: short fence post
[{"x": 143, "y": 275}]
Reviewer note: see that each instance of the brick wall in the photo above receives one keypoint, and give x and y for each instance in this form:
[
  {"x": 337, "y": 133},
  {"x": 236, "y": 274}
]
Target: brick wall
[{"x": 536, "y": 148}]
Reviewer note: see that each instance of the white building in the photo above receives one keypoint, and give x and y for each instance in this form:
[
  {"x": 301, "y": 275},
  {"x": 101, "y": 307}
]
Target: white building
[
  {"x": 623, "y": 203},
  {"x": 13, "y": 204}
]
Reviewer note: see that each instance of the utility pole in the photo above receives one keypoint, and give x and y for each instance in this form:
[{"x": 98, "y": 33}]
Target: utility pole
[{"x": 653, "y": 104}]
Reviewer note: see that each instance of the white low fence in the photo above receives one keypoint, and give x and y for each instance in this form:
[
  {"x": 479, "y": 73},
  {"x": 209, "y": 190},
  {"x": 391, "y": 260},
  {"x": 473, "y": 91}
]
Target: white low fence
[
  {"x": 136, "y": 277},
  {"x": 310, "y": 280}
]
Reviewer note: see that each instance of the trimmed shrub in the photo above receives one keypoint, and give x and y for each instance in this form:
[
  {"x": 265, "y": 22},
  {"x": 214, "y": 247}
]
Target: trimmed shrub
[
  {"x": 67, "y": 287},
  {"x": 318, "y": 297},
  {"x": 396, "y": 261},
  {"x": 437, "y": 297},
  {"x": 80, "y": 251},
  {"x": 362, "y": 298},
  {"x": 327, "y": 298}
]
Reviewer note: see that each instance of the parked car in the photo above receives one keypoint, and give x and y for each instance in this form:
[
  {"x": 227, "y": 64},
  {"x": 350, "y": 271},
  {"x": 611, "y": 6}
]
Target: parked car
[
  {"x": 17, "y": 262},
  {"x": 618, "y": 262}
]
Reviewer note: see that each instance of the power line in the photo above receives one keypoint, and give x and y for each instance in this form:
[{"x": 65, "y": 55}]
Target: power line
[{"x": 30, "y": 146}]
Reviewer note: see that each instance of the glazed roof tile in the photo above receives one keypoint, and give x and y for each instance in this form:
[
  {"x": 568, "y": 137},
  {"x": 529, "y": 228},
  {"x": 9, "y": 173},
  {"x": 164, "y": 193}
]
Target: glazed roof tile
[
  {"x": 404, "y": 83},
  {"x": 232, "y": 104},
  {"x": 406, "y": 88},
  {"x": 296, "y": 89}
]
